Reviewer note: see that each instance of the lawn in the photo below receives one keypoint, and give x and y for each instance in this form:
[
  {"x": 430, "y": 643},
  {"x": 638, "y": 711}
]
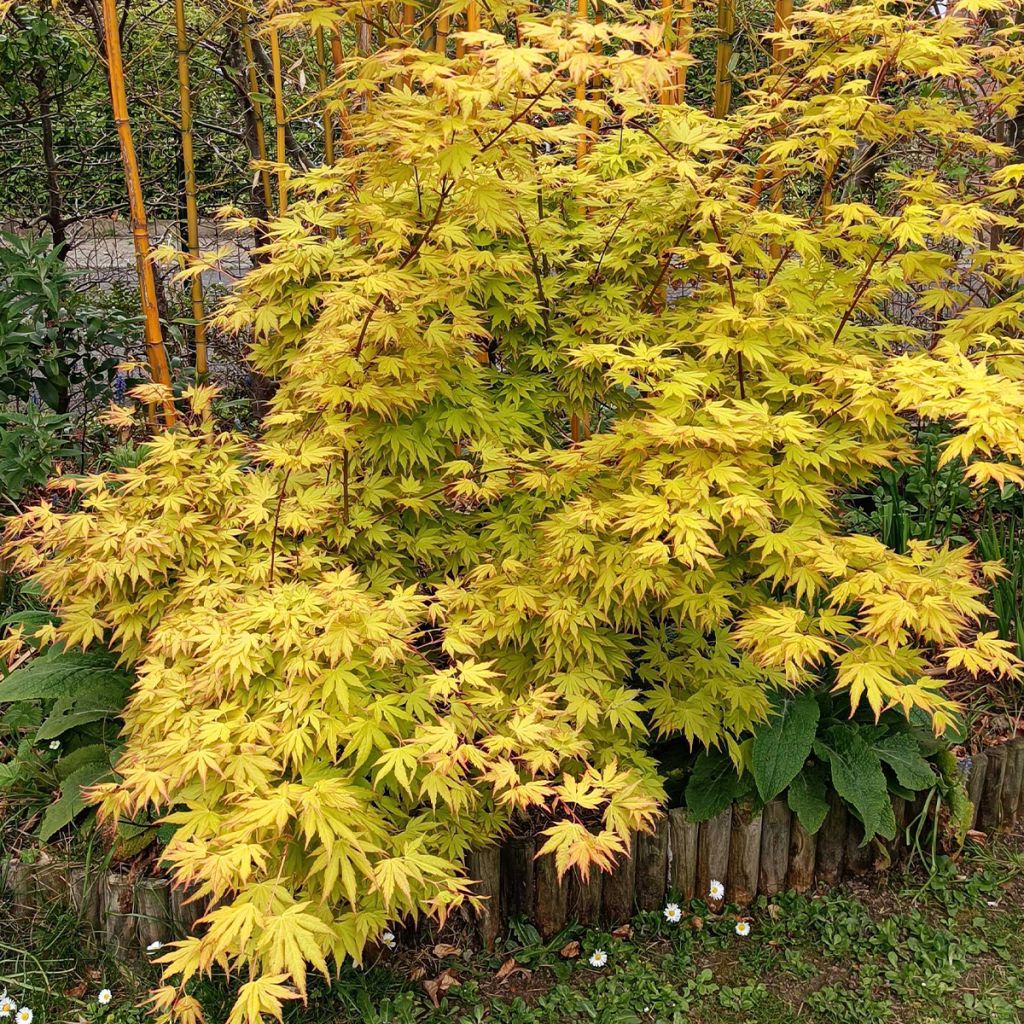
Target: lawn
[{"x": 918, "y": 950}]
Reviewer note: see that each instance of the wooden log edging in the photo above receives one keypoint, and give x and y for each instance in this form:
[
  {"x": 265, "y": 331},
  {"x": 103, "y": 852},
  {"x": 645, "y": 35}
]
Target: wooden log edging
[{"x": 751, "y": 852}]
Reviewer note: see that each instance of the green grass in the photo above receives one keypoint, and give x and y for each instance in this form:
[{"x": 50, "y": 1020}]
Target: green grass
[{"x": 937, "y": 951}]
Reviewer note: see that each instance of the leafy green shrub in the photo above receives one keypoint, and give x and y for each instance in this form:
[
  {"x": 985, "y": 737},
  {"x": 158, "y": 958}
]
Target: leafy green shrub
[
  {"x": 54, "y": 340},
  {"x": 551, "y": 466},
  {"x": 810, "y": 745},
  {"x": 30, "y": 443},
  {"x": 61, "y": 721}
]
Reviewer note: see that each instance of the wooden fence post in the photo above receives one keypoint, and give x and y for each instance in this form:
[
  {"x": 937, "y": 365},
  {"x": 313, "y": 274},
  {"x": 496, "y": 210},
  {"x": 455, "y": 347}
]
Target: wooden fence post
[
  {"x": 550, "y": 897},
  {"x": 803, "y": 851},
  {"x": 118, "y": 921},
  {"x": 153, "y": 910},
  {"x": 485, "y": 867},
  {"x": 713, "y": 852},
  {"x": 1009, "y": 801},
  {"x": 976, "y": 783},
  {"x": 682, "y": 853},
  {"x": 991, "y": 794},
  {"x": 184, "y": 914},
  {"x": 517, "y": 878},
  {"x": 85, "y": 887},
  {"x": 859, "y": 856},
  {"x": 832, "y": 843},
  {"x": 652, "y": 866},
  {"x": 744, "y": 854},
  {"x": 585, "y": 897},
  {"x": 617, "y": 890},
  {"x": 776, "y": 825}
]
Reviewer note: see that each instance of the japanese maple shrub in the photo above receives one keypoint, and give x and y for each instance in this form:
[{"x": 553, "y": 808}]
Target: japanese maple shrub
[{"x": 563, "y": 407}]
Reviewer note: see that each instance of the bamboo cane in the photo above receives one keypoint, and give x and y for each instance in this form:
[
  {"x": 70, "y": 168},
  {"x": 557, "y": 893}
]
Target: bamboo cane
[
  {"x": 257, "y": 109},
  {"x": 156, "y": 353},
  {"x": 279, "y": 121},
  {"x": 338, "y": 58},
  {"x": 780, "y": 53},
  {"x": 189, "y": 162},
  {"x": 723, "y": 57},
  {"x": 582, "y": 9},
  {"x": 441, "y": 34},
  {"x": 684, "y": 29},
  {"x": 668, "y": 92},
  {"x": 321, "y": 58}
]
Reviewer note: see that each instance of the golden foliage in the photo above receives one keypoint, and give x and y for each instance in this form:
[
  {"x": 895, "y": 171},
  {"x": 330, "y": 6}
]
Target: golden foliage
[{"x": 427, "y": 599}]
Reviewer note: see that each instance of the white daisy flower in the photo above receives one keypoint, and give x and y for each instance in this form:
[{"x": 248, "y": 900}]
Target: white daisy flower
[
  {"x": 55, "y": 744},
  {"x": 598, "y": 958},
  {"x": 24, "y": 1016},
  {"x": 104, "y": 997},
  {"x": 717, "y": 890},
  {"x": 672, "y": 913},
  {"x": 389, "y": 940},
  {"x": 154, "y": 946},
  {"x": 743, "y": 928},
  {"x": 7, "y": 1005}
]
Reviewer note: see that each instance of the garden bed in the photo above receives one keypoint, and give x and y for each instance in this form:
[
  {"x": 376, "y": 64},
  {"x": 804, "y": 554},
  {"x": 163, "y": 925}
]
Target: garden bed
[{"x": 752, "y": 853}]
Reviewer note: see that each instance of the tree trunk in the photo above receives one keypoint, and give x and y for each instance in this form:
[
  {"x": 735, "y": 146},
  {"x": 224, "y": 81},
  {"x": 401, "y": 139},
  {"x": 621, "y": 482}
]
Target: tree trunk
[{"x": 54, "y": 200}]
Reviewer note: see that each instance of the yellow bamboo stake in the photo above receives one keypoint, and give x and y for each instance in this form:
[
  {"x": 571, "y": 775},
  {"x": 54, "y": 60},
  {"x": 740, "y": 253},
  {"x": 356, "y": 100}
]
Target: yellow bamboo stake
[
  {"x": 668, "y": 92},
  {"x": 780, "y": 53},
  {"x": 576, "y": 427},
  {"x": 279, "y": 121},
  {"x": 257, "y": 111},
  {"x": 189, "y": 164},
  {"x": 441, "y": 34},
  {"x": 156, "y": 353},
  {"x": 321, "y": 59},
  {"x": 723, "y": 56},
  {"x": 684, "y": 30},
  {"x": 472, "y": 17},
  {"x": 338, "y": 58},
  {"x": 582, "y": 10}
]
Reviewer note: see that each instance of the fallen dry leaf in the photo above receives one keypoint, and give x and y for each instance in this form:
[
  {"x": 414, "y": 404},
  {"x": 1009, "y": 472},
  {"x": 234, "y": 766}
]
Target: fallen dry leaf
[
  {"x": 510, "y": 968},
  {"x": 697, "y": 923},
  {"x": 570, "y": 950},
  {"x": 417, "y": 974},
  {"x": 624, "y": 931},
  {"x": 436, "y": 987},
  {"x": 774, "y": 910},
  {"x": 444, "y": 949},
  {"x": 505, "y": 969}
]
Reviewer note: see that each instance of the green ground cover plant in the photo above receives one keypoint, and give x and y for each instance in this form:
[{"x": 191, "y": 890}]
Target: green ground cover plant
[{"x": 936, "y": 950}]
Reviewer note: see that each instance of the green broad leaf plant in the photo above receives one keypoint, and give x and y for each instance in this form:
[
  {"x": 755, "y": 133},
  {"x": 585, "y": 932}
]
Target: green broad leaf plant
[{"x": 568, "y": 382}]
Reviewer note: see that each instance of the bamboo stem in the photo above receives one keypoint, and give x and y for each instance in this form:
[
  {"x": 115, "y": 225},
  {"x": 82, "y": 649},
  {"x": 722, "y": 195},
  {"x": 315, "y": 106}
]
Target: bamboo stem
[
  {"x": 321, "y": 58},
  {"x": 684, "y": 30},
  {"x": 723, "y": 57},
  {"x": 581, "y": 96},
  {"x": 668, "y": 92},
  {"x": 337, "y": 57},
  {"x": 279, "y": 121},
  {"x": 257, "y": 109},
  {"x": 189, "y": 163},
  {"x": 156, "y": 353},
  {"x": 441, "y": 34},
  {"x": 780, "y": 53}
]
